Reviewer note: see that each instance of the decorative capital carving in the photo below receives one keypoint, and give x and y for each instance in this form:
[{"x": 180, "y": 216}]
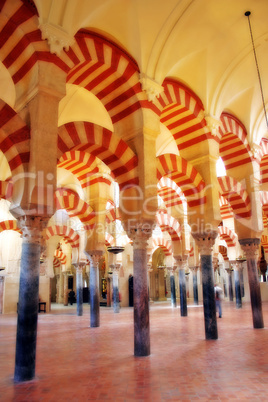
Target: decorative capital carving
[
  {"x": 57, "y": 38},
  {"x": 94, "y": 257},
  {"x": 140, "y": 233},
  {"x": 171, "y": 270},
  {"x": 149, "y": 267},
  {"x": 194, "y": 269},
  {"x": 181, "y": 261},
  {"x": 250, "y": 247},
  {"x": 115, "y": 268},
  {"x": 205, "y": 241},
  {"x": 32, "y": 227},
  {"x": 152, "y": 88}
]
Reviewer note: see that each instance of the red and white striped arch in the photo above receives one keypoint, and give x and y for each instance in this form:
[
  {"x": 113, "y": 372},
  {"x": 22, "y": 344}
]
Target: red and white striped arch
[
  {"x": 169, "y": 224},
  {"x": 225, "y": 209},
  {"x": 182, "y": 113},
  {"x": 264, "y": 203},
  {"x": 236, "y": 195},
  {"x": 234, "y": 147},
  {"x": 68, "y": 234},
  {"x": 170, "y": 193},
  {"x": 223, "y": 252},
  {"x": 92, "y": 62},
  {"x": 228, "y": 235},
  {"x": 14, "y": 139},
  {"x": 60, "y": 256},
  {"x": 184, "y": 175},
  {"x": 164, "y": 244},
  {"x": 108, "y": 72},
  {"x": 263, "y": 161},
  {"x": 102, "y": 143},
  {"x": 109, "y": 240},
  {"x": 264, "y": 243},
  {"x": 70, "y": 201},
  {"x": 81, "y": 164},
  {"x": 56, "y": 263},
  {"x": 9, "y": 225}
]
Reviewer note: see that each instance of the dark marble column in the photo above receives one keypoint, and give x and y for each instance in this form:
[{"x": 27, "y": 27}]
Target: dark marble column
[
  {"x": 195, "y": 286},
  {"x": 230, "y": 283},
  {"x": 65, "y": 285},
  {"x": 116, "y": 302},
  {"x": 172, "y": 286},
  {"x": 79, "y": 287},
  {"x": 109, "y": 291},
  {"x": 181, "y": 262},
  {"x": 205, "y": 242},
  {"x": 94, "y": 258},
  {"x": 28, "y": 299},
  {"x": 140, "y": 235},
  {"x": 1, "y": 292},
  {"x": 238, "y": 298},
  {"x": 149, "y": 271},
  {"x": 250, "y": 248}
]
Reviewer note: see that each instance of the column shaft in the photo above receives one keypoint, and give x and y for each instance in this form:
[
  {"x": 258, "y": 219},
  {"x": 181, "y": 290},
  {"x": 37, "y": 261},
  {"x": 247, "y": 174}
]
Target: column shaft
[
  {"x": 237, "y": 289},
  {"x": 208, "y": 297},
  {"x": 79, "y": 291},
  {"x": 195, "y": 288},
  {"x": 250, "y": 247},
  {"x": 94, "y": 296},
  {"x": 230, "y": 279},
  {"x": 116, "y": 304},
  {"x": 173, "y": 291},
  {"x": 255, "y": 293},
  {"x": 27, "y": 313},
  {"x": 141, "y": 305},
  {"x": 183, "y": 297}
]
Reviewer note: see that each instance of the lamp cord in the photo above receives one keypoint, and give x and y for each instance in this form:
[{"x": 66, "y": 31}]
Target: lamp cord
[{"x": 247, "y": 14}]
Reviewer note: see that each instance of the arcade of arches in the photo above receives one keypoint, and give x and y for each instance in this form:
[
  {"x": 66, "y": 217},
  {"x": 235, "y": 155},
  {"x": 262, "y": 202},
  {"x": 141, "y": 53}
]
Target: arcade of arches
[{"x": 131, "y": 162}]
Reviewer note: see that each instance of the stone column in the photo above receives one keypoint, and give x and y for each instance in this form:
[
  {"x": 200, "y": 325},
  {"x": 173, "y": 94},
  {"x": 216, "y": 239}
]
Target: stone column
[
  {"x": 230, "y": 283},
  {"x": 236, "y": 267},
  {"x": 195, "y": 287},
  {"x": 172, "y": 286},
  {"x": 1, "y": 293},
  {"x": 116, "y": 303},
  {"x": 94, "y": 258},
  {"x": 181, "y": 262},
  {"x": 205, "y": 242},
  {"x": 65, "y": 288},
  {"x": 250, "y": 248},
  {"x": 79, "y": 287},
  {"x": 57, "y": 288},
  {"x": 28, "y": 298},
  {"x": 140, "y": 234},
  {"x": 109, "y": 291}
]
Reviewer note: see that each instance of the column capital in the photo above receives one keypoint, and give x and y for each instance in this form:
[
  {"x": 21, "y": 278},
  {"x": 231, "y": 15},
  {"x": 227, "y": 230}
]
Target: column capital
[
  {"x": 32, "y": 227},
  {"x": 205, "y": 241},
  {"x": 94, "y": 257},
  {"x": 181, "y": 260},
  {"x": 250, "y": 247},
  {"x": 171, "y": 270},
  {"x": 115, "y": 268},
  {"x": 140, "y": 233},
  {"x": 194, "y": 268}
]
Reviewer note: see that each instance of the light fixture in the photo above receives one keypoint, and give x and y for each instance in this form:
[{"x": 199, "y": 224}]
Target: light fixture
[{"x": 247, "y": 14}]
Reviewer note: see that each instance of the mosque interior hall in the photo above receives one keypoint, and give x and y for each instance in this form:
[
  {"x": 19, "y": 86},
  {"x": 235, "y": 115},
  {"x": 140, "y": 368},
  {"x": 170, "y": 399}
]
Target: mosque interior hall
[{"x": 133, "y": 184}]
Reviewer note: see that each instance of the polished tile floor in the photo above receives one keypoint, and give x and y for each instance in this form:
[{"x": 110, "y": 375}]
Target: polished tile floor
[{"x": 79, "y": 363}]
